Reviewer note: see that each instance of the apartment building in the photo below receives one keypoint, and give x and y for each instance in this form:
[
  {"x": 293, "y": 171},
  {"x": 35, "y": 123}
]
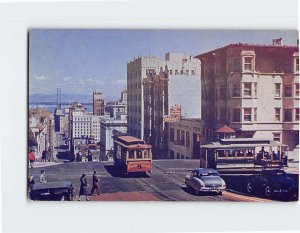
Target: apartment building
[{"x": 254, "y": 89}]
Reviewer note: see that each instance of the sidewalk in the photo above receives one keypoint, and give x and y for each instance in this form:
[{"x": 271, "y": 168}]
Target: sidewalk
[
  {"x": 43, "y": 164},
  {"x": 293, "y": 168}
]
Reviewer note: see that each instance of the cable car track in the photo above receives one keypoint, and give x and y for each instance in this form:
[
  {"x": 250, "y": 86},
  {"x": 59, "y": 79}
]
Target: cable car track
[{"x": 156, "y": 190}]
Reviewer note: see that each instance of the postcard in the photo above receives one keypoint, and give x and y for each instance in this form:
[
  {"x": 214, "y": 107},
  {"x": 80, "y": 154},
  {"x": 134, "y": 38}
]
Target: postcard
[{"x": 163, "y": 115}]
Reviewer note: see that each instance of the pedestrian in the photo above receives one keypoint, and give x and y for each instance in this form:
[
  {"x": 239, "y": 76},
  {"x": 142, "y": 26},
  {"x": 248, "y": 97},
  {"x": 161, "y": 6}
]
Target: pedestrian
[
  {"x": 30, "y": 182},
  {"x": 44, "y": 156},
  {"x": 83, "y": 187},
  {"x": 95, "y": 184},
  {"x": 42, "y": 177},
  {"x": 31, "y": 158}
]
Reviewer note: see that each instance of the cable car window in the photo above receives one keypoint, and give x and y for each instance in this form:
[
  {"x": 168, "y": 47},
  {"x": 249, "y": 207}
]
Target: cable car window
[
  {"x": 139, "y": 154},
  {"x": 131, "y": 154}
]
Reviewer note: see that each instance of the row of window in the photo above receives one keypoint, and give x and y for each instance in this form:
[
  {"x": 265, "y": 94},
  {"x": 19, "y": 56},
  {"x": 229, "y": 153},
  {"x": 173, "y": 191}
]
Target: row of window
[
  {"x": 250, "y": 90},
  {"x": 250, "y": 114},
  {"x": 182, "y": 72},
  {"x": 247, "y": 64},
  {"x": 134, "y": 96},
  {"x": 182, "y": 137}
]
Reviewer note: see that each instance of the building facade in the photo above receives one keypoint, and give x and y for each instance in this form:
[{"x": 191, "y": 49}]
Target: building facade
[
  {"x": 185, "y": 138},
  {"x": 98, "y": 103},
  {"x": 108, "y": 125},
  {"x": 138, "y": 69},
  {"x": 86, "y": 125},
  {"x": 254, "y": 89}
]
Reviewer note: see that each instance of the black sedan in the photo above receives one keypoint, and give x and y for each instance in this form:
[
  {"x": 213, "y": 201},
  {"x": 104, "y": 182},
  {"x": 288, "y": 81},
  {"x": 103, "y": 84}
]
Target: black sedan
[
  {"x": 273, "y": 183},
  {"x": 52, "y": 191}
]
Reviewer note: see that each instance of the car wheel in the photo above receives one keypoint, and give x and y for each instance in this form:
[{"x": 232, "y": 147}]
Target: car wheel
[
  {"x": 268, "y": 191},
  {"x": 220, "y": 193},
  {"x": 293, "y": 196},
  {"x": 249, "y": 187},
  {"x": 188, "y": 188}
]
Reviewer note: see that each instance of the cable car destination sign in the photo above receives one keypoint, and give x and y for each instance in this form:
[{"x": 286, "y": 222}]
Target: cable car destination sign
[{"x": 175, "y": 114}]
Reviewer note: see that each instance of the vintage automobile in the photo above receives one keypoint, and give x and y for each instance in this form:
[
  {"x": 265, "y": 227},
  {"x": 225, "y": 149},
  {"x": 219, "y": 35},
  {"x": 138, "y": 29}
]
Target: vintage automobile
[
  {"x": 273, "y": 183},
  {"x": 53, "y": 191},
  {"x": 203, "y": 180}
]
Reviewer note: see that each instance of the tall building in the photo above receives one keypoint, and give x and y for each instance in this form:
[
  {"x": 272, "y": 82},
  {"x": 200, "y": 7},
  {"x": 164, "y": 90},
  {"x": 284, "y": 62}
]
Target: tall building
[
  {"x": 138, "y": 69},
  {"x": 98, "y": 103},
  {"x": 163, "y": 92},
  {"x": 254, "y": 89}
]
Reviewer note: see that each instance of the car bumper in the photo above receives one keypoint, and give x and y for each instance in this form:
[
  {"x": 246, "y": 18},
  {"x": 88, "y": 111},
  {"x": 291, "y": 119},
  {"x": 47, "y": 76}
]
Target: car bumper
[{"x": 212, "y": 189}]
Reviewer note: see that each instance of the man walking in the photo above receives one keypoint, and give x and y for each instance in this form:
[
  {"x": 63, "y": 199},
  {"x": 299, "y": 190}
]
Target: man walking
[{"x": 95, "y": 184}]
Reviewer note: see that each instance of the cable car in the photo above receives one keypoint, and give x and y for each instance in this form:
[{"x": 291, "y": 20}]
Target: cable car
[{"x": 132, "y": 154}]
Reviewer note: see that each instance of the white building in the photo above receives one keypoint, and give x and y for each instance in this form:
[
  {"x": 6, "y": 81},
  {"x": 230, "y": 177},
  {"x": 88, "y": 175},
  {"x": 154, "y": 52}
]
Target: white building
[
  {"x": 138, "y": 69},
  {"x": 86, "y": 125},
  {"x": 106, "y": 134}
]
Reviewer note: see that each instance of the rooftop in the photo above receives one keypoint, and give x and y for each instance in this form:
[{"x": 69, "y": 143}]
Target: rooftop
[
  {"x": 225, "y": 129},
  {"x": 249, "y": 46}
]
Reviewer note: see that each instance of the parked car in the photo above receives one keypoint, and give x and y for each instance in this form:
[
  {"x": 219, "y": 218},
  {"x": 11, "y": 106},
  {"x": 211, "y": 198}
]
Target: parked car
[
  {"x": 273, "y": 183},
  {"x": 203, "y": 180},
  {"x": 53, "y": 191}
]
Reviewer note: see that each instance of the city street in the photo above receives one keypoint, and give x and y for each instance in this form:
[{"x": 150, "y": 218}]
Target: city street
[{"x": 166, "y": 182}]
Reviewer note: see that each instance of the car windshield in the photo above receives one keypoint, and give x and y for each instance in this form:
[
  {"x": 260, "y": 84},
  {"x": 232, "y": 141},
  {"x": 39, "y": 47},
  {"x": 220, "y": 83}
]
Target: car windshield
[{"x": 209, "y": 174}]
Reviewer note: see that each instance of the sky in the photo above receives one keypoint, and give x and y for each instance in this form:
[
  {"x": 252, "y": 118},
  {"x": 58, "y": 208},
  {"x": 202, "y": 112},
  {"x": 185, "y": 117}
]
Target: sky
[{"x": 80, "y": 61}]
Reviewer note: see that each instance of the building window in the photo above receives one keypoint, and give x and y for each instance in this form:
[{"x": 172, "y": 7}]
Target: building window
[
  {"x": 176, "y": 72},
  {"x": 188, "y": 142},
  {"x": 247, "y": 89},
  {"x": 178, "y": 135},
  {"x": 297, "y": 92},
  {"x": 288, "y": 90},
  {"x": 223, "y": 92},
  {"x": 288, "y": 115},
  {"x": 182, "y": 138},
  {"x": 277, "y": 90},
  {"x": 171, "y": 72},
  {"x": 296, "y": 65},
  {"x": 223, "y": 114},
  {"x": 276, "y": 137},
  {"x": 247, "y": 114},
  {"x": 236, "y": 115},
  {"x": 296, "y": 114},
  {"x": 277, "y": 114},
  {"x": 172, "y": 134},
  {"x": 187, "y": 72},
  {"x": 236, "y": 92},
  {"x": 193, "y": 72},
  {"x": 248, "y": 63}
]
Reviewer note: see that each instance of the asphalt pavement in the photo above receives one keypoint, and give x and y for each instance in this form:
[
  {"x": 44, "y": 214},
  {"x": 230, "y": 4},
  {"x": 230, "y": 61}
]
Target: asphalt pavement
[{"x": 165, "y": 183}]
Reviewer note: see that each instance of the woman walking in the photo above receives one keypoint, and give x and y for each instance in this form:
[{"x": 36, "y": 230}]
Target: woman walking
[{"x": 83, "y": 187}]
